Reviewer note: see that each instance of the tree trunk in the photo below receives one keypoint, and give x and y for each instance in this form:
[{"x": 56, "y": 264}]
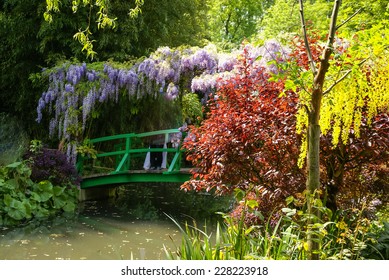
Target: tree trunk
[
  {"x": 313, "y": 156},
  {"x": 313, "y": 184}
]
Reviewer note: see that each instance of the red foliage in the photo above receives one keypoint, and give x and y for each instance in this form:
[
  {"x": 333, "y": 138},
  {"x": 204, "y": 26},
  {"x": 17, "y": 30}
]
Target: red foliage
[
  {"x": 248, "y": 139},
  {"x": 357, "y": 172},
  {"x": 299, "y": 53}
]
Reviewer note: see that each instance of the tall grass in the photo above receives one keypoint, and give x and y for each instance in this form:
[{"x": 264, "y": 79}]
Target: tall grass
[
  {"x": 236, "y": 241},
  {"x": 342, "y": 235}
]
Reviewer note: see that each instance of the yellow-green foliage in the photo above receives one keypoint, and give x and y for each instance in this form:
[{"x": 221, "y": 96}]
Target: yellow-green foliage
[{"x": 361, "y": 87}]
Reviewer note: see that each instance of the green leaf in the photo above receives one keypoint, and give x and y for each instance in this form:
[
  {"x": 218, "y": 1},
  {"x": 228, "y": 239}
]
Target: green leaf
[
  {"x": 8, "y": 200},
  {"x": 252, "y": 203},
  {"x": 259, "y": 215},
  {"x": 239, "y": 194},
  {"x": 28, "y": 208},
  {"x": 59, "y": 202},
  {"x": 289, "y": 200},
  {"x": 45, "y": 196},
  {"x": 41, "y": 212},
  {"x": 12, "y": 183},
  {"x": 306, "y": 75},
  {"x": 69, "y": 207},
  {"x": 57, "y": 191},
  {"x": 17, "y": 210},
  {"x": 35, "y": 196},
  {"x": 14, "y": 164},
  {"x": 290, "y": 85},
  {"x": 45, "y": 186},
  {"x": 45, "y": 190},
  {"x": 249, "y": 230}
]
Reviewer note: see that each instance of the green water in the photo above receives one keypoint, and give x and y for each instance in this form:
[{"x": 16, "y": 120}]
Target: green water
[{"x": 133, "y": 225}]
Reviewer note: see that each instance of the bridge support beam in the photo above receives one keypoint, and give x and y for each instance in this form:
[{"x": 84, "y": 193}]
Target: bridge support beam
[{"x": 97, "y": 193}]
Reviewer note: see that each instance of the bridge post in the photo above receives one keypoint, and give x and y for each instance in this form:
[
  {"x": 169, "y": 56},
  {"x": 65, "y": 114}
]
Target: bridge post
[
  {"x": 126, "y": 159},
  {"x": 128, "y": 148}
]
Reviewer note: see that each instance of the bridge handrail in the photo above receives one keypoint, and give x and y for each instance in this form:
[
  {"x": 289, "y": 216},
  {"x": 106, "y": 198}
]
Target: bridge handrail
[
  {"x": 112, "y": 137},
  {"x": 127, "y": 151},
  {"x": 133, "y": 135}
]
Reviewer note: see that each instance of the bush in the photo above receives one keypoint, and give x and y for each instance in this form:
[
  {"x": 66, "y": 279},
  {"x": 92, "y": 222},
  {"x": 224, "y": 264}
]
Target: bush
[
  {"x": 52, "y": 165},
  {"x": 22, "y": 199},
  {"x": 343, "y": 235},
  {"x": 378, "y": 243}
]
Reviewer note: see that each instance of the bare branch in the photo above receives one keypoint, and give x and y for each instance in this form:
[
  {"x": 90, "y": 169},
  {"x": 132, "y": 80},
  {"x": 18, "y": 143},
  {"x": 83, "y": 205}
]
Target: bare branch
[
  {"x": 306, "y": 109},
  {"x": 349, "y": 18},
  {"x": 342, "y": 78},
  {"x": 304, "y": 27},
  {"x": 332, "y": 30},
  {"x": 324, "y": 65},
  {"x": 337, "y": 82}
]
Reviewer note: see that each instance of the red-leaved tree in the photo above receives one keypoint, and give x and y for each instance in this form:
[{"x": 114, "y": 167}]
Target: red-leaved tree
[{"x": 248, "y": 139}]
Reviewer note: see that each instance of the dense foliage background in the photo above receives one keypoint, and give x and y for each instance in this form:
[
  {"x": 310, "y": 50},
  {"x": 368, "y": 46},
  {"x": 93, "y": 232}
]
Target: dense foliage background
[{"x": 236, "y": 70}]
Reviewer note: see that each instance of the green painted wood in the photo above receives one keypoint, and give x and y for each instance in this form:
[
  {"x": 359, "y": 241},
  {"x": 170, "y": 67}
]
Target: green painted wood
[
  {"x": 113, "y": 137},
  {"x": 124, "y": 178},
  {"x": 124, "y": 153},
  {"x": 175, "y": 163},
  {"x": 159, "y": 132},
  {"x": 122, "y": 163}
]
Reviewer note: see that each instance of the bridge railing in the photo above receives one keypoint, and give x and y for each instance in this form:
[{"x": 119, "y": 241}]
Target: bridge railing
[{"x": 117, "y": 153}]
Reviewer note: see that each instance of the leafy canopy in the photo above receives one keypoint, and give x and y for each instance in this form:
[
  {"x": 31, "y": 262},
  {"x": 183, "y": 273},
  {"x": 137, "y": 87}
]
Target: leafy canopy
[{"x": 103, "y": 18}]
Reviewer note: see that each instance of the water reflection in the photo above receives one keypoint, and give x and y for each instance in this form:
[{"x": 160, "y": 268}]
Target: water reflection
[{"x": 131, "y": 226}]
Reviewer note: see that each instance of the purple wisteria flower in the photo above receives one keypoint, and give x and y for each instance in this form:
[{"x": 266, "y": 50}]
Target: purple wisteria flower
[
  {"x": 69, "y": 88},
  {"x": 172, "y": 91},
  {"x": 74, "y": 90},
  {"x": 204, "y": 83}
]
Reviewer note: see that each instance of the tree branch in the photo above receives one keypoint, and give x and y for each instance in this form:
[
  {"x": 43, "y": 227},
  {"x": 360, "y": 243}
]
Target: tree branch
[
  {"x": 342, "y": 78},
  {"x": 304, "y": 27},
  {"x": 328, "y": 50},
  {"x": 349, "y": 18},
  {"x": 332, "y": 30},
  {"x": 337, "y": 82}
]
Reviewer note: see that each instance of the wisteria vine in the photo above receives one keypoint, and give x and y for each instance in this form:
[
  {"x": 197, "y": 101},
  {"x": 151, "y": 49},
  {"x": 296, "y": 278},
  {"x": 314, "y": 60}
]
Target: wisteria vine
[{"x": 75, "y": 89}]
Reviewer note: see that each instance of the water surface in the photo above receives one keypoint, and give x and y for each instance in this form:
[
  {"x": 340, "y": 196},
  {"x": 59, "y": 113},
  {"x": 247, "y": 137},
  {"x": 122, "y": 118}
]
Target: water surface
[{"x": 134, "y": 225}]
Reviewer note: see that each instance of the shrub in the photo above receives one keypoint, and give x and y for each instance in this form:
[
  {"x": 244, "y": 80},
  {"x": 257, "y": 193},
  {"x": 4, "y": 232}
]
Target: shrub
[
  {"x": 22, "y": 199},
  {"x": 378, "y": 242},
  {"x": 343, "y": 235},
  {"x": 52, "y": 165}
]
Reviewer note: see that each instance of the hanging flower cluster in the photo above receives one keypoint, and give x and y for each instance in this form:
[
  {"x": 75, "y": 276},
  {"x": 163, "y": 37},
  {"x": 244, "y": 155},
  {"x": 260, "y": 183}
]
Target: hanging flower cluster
[{"x": 75, "y": 90}]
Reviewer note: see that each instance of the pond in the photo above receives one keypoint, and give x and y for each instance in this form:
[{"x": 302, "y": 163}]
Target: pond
[{"x": 134, "y": 225}]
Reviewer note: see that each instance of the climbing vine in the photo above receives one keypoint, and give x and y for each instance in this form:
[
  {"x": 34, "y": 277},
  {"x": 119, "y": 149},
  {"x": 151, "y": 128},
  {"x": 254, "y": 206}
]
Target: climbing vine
[{"x": 75, "y": 90}]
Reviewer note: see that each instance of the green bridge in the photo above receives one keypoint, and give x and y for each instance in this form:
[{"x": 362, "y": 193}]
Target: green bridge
[{"x": 126, "y": 158}]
